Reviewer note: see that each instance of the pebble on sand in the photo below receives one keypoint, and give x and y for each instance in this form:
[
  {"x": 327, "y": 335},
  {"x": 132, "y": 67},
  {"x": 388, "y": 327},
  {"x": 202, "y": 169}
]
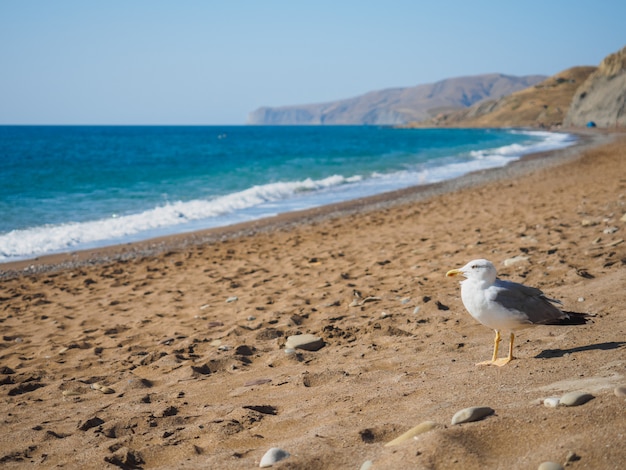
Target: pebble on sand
[
  {"x": 620, "y": 391},
  {"x": 308, "y": 342},
  {"x": 102, "y": 388},
  {"x": 367, "y": 465},
  {"x": 575, "y": 398},
  {"x": 550, "y": 466},
  {"x": 411, "y": 433},
  {"x": 551, "y": 402},
  {"x": 515, "y": 260},
  {"x": 273, "y": 456},
  {"x": 474, "y": 413}
]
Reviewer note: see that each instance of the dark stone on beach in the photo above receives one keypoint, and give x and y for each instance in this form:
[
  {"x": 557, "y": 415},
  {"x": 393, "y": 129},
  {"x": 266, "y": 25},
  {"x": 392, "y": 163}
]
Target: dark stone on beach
[
  {"x": 244, "y": 350},
  {"x": 265, "y": 409},
  {"x": 90, "y": 423},
  {"x": 204, "y": 369},
  {"x": 170, "y": 411},
  {"x": 126, "y": 458},
  {"x": 25, "y": 388}
]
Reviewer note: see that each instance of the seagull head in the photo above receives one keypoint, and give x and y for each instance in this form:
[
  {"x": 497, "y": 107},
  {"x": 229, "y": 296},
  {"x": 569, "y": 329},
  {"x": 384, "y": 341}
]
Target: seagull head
[{"x": 480, "y": 270}]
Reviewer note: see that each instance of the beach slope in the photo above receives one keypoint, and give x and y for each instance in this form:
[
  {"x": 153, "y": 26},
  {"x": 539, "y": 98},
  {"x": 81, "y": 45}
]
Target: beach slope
[{"x": 175, "y": 357}]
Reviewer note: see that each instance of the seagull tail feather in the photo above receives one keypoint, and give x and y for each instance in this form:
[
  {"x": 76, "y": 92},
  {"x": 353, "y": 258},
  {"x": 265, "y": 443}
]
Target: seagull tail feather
[{"x": 573, "y": 318}]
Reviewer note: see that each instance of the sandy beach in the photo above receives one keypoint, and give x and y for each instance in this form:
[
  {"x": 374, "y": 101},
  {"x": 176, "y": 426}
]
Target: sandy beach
[{"x": 171, "y": 353}]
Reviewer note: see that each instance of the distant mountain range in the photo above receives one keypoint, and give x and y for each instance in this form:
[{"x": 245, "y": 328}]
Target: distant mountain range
[{"x": 398, "y": 106}]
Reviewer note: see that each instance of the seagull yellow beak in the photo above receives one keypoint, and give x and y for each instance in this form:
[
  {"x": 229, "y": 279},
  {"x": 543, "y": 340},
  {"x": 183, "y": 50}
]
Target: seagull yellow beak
[{"x": 454, "y": 272}]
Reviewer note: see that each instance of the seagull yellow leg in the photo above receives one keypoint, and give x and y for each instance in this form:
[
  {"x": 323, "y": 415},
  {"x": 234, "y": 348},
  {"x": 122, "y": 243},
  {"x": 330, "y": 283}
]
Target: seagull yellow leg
[
  {"x": 505, "y": 360},
  {"x": 496, "y": 345}
]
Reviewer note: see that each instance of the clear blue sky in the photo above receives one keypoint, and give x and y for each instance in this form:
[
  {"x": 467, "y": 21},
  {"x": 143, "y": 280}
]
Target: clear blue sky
[{"x": 212, "y": 62}]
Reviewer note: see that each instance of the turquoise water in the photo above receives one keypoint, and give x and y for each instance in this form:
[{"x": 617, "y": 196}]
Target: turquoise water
[{"x": 64, "y": 188}]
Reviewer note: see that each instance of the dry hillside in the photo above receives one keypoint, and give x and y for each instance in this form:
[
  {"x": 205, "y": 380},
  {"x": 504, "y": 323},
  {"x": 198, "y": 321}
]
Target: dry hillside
[{"x": 542, "y": 105}]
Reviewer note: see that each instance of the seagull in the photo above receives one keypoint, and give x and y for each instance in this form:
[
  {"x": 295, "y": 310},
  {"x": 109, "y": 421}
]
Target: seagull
[{"x": 506, "y": 306}]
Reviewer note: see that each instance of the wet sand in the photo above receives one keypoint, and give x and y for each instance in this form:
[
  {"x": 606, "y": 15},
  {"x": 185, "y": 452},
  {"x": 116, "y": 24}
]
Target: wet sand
[{"x": 170, "y": 353}]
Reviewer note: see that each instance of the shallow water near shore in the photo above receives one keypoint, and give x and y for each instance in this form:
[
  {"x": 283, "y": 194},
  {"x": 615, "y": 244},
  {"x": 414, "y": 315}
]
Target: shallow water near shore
[{"x": 71, "y": 188}]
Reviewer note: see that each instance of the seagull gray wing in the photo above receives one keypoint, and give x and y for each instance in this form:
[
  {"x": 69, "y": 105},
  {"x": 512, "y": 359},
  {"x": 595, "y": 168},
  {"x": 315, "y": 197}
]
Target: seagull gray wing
[{"x": 529, "y": 301}]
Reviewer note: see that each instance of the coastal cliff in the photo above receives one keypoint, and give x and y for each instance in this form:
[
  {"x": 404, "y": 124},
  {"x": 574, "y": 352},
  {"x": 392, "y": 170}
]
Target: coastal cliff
[{"x": 602, "y": 97}]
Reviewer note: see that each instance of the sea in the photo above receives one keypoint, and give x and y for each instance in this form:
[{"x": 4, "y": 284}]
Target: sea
[{"x": 68, "y": 188}]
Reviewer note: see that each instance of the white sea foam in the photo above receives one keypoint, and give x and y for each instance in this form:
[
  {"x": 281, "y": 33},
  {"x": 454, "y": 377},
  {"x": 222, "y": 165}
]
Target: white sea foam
[
  {"x": 19, "y": 244},
  {"x": 252, "y": 203}
]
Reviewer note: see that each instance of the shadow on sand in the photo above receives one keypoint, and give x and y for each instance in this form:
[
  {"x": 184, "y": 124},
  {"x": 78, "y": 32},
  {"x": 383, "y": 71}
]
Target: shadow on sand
[{"x": 550, "y": 353}]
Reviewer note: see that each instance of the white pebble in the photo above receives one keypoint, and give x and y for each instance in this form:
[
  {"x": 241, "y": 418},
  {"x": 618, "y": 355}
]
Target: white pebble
[
  {"x": 474, "y": 413},
  {"x": 273, "y": 456},
  {"x": 551, "y": 402},
  {"x": 620, "y": 391},
  {"x": 232, "y": 299},
  {"x": 575, "y": 398},
  {"x": 515, "y": 260},
  {"x": 367, "y": 465},
  {"x": 412, "y": 433},
  {"x": 306, "y": 341},
  {"x": 581, "y": 299},
  {"x": 550, "y": 466}
]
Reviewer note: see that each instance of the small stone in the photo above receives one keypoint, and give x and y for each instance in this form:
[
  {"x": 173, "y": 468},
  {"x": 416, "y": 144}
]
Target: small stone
[
  {"x": 610, "y": 230},
  {"x": 551, "y": 402},
  {"x": 308, "y": 342},
  {"x": 273, "y": 456},
  {"x": 575, "y": 398},
  {"x": 581, "y": 299},
  {"x": 515, "y": 260},
  {"x": 623, "y": 218},
  {"x": 416, "y": 310},
  {"x": 620, "y": 391},
  {"x": 232, "y": 299},
  {"x": 244, "y": 350},
  {"x": 411, "y": 433},
  {"x": 102, "y": 388},
  {"x": 571, "y": 457},
  {"x": 588, "y": 223},
  {"x": 367, "y": 465},
  {"x": 550, "y": 466},
  {"x": 613, "y": 243},
  {"x": 473, "y": 413}
]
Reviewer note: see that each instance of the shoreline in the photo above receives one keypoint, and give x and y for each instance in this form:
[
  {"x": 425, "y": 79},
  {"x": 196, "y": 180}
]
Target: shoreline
[{"x": 175, "y": 242}]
